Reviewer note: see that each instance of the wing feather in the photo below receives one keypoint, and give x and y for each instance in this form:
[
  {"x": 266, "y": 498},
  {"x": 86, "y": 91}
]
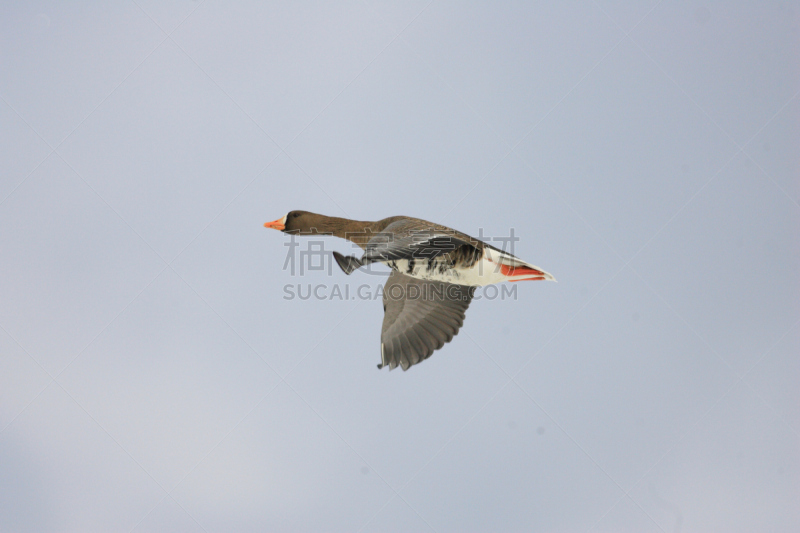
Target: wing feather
[
  {"x": 410, "y": 239},
  {"x": 415, "y": 327}
]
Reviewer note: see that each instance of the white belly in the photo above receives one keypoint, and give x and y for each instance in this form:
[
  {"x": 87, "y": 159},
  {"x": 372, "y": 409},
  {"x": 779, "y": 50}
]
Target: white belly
[
  {"x": 483, "y": 272},
  {"x": 490, "y": 269}
]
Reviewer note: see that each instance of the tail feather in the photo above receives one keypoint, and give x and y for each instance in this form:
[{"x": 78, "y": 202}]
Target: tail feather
[
  {"x": 349, "y": 263},
  {"x": 511, "y": 265}
]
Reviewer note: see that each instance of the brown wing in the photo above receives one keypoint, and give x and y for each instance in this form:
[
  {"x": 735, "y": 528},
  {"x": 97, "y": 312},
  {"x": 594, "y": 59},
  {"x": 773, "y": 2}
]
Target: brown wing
[
  {"x": 415, "y": 239},
  {"x": 420, "y": 316}
]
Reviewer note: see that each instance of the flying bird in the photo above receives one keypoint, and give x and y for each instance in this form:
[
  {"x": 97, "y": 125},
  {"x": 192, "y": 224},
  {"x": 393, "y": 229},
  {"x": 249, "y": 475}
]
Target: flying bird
[{"x": 435, "y": 270}]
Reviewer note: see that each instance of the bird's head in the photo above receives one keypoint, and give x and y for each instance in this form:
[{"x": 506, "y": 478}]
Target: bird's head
[{"x": 298, "y": 223}]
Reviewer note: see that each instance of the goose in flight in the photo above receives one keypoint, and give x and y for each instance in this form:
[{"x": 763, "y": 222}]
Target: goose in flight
[{"x": 435, "y": 270}]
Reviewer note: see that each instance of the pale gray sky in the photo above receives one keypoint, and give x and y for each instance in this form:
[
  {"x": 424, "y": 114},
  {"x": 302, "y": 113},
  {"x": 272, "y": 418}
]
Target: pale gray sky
[{"x": 154, "y": 378}]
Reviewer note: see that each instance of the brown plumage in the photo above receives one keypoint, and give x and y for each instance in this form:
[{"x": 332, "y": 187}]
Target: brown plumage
[{"x": 434, "y": 273}]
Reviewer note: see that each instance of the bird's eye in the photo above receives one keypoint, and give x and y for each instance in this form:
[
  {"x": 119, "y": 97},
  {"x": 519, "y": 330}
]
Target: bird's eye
[{"x": 295, "y": 215}]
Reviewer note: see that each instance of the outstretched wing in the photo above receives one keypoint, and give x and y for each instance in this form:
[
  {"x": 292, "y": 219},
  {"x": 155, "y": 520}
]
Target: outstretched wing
[
  {"x": 409, "y": 239},
  {"x": 420, "y": 316}
]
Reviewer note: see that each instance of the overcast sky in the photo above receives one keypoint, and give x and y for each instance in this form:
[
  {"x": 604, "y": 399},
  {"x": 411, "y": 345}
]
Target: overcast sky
[{"x": 155, "y": 376}]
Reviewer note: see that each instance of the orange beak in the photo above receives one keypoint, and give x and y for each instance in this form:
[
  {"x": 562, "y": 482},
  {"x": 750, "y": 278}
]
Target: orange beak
[{"x": 276, "y": 224}]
